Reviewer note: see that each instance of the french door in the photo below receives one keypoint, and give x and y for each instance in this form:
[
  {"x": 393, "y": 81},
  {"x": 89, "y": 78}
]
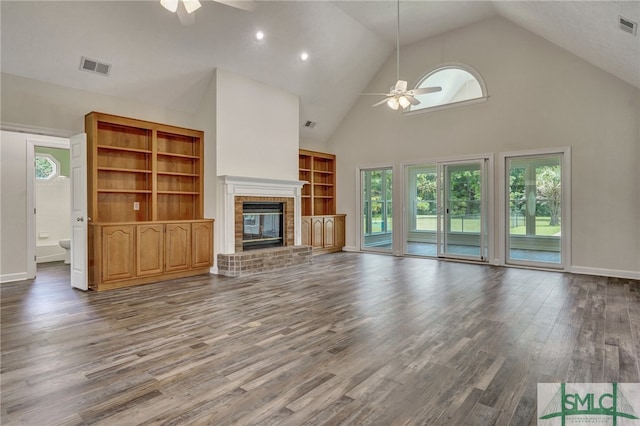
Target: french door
[
  {"x": 536, "y": 209},
  {"x": 462, "y": 210}
]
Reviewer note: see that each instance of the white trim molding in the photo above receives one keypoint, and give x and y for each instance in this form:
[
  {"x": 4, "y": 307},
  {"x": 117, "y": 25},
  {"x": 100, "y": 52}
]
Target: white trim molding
[{"x": 614, "y": 273}]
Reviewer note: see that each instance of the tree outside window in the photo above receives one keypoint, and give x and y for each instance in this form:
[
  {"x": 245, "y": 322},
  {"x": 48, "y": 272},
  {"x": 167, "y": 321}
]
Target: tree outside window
[{"x": 46, "y": 167}]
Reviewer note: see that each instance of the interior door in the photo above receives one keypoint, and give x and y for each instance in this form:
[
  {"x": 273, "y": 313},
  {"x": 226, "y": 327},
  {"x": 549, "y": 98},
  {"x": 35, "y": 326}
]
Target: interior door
[
  {"x": 462, "y": 210},
  {"x": 79, "y": 219}
]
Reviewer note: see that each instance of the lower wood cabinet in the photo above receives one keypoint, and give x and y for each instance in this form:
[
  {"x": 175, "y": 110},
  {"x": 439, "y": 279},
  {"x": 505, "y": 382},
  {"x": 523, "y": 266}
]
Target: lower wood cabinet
[
  {"x": 150, "y": 256},
  {"x": 324, "y": 233},
  {"x": 118, "y": 252},
  {"x": 178, "y": 246},
  {"x": 126, "y": 254}
]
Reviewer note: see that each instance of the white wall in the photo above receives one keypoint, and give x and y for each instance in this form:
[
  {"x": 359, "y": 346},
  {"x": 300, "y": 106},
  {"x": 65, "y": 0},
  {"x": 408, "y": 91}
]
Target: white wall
[
  {"x": 540, "y": 96},
  {"x": 257, "y": 129}
]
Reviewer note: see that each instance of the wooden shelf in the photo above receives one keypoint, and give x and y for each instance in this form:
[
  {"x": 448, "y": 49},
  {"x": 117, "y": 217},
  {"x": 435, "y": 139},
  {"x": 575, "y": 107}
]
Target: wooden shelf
[
  {"x": 121, "y": 169},
  {"x": 169, "y": 154},
  {"x": 118, "y": 148},
  {"x": 178, "y": 174},
  {"x": 178, "y": 192},
  {"x": 125, "y": 191}
]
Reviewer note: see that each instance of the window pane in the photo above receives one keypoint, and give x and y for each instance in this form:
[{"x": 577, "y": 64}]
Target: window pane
[
  {"x": 45, "y": 167},
  {"x": 457, "y": 85},
  {"x": 535, "y": 200},
  {"x": 376, "y": 205}
]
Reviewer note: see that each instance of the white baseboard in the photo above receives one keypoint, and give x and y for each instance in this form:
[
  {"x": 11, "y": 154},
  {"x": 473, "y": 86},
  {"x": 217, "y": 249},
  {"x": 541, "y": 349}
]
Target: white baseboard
[
  {"x": 7, "y": 278},
  {"x": 616, "y": 273},
  {"x": 349, "y": 248}
]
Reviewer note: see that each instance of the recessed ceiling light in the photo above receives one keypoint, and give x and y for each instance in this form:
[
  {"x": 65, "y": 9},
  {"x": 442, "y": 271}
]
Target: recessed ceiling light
[
  {"x": 304, "y": 56},
  {"x": 259, "y": 35}
]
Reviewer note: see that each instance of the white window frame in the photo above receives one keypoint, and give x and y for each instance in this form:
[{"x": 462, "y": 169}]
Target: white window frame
[{"x": 450, "y": 65}]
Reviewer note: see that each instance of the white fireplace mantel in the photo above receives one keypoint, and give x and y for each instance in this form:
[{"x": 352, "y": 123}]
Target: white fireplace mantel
[{"x": 233, "y": 186}]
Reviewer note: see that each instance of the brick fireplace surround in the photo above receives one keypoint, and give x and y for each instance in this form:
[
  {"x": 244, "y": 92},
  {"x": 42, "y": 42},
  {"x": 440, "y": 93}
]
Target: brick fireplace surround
[{"x": 236, "y": 262}]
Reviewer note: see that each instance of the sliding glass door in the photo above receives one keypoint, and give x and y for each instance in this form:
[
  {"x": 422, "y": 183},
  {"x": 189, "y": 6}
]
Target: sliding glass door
[
  {"x": 534, "y": 204},
  {"x": 377, "y": 209},
  {"x": 462, "y": 218}
]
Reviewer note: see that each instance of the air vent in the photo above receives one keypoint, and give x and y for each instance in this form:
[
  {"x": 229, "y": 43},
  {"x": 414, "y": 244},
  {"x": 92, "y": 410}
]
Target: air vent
[
  {"x": 627, "y": 25},
  {"x": 91, "y": 65},
  {"x": 310, "y": 124}
]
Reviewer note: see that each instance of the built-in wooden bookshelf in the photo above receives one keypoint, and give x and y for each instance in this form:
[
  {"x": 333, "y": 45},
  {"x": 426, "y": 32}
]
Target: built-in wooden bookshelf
[
  {"x": 145, "y": 179},
  {"x": 321, "y": 228},
  {"x": 318, "y": 196}
]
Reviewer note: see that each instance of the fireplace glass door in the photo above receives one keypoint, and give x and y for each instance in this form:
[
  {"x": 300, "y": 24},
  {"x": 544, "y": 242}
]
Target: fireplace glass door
[{"x": 262, "y": 225}]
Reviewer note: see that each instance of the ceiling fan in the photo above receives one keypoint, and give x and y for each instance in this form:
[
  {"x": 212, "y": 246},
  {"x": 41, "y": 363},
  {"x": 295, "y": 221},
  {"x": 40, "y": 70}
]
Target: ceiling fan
[
  {"x": 398, "y": 95},
  {"x": 185, "y": 8}
]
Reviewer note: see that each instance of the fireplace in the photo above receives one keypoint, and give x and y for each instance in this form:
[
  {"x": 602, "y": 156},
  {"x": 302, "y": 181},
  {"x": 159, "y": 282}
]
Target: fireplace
[
  {"x": 262, "y": 225},
  {"x": 233, "y": 258}
]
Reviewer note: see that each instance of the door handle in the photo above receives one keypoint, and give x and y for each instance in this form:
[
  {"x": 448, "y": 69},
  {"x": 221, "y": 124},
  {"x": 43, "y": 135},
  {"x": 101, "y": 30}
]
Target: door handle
[{"x": 79, "y": 219}]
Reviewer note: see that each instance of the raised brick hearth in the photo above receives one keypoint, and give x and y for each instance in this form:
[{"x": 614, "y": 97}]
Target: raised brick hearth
[{"x": 263, "y": 260}]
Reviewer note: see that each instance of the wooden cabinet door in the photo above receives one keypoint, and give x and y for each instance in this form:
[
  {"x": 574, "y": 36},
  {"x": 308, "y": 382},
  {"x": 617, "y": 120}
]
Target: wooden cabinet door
[
  {"x": 305, "y": 229},
  {"x": 339, "y": 231},
  {"x": 177, "y": 243},
  {"x": 317, "y": 225},
  {"x": 329, "y": 229},
  {"x": 150, "y": 253},
  {"x": 118, "y": 252},
  {"x": 201, "y": 244}
]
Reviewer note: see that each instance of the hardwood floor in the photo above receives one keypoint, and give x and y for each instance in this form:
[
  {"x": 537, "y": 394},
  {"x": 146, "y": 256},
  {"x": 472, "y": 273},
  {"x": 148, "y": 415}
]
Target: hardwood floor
[{"x": 351, "y": 339}]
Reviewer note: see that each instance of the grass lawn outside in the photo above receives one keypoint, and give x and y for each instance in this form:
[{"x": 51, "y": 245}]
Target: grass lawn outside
[{"x": 470, "y": 224}]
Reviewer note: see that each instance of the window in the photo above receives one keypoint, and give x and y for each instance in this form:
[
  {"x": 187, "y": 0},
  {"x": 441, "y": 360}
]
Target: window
[
  {"x": 46, "y": 166},
  {"x": 460, "y": 84},
  {"x": 534, "y": 210},
  {"x": 377, "y": 208}
]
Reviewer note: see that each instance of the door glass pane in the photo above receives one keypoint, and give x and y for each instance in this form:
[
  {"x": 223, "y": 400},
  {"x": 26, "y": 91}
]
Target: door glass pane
[
  {"x": 463, "y": 204},
  {"x": 534, "y": 194},
  {"x": 377, "y": 229},
  {"x": 422, "y": 223}
]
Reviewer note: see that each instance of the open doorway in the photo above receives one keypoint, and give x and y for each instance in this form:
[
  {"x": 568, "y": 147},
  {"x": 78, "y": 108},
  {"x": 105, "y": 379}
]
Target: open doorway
[{"x": 49, "y": 198}]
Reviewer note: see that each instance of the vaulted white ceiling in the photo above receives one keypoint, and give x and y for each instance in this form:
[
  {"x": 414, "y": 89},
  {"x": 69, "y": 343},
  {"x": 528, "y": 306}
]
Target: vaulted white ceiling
[{"x": 157, "y": 60}]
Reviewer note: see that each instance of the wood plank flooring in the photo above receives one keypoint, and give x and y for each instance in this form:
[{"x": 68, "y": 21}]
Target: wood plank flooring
[{"x": 353, "y": 339}]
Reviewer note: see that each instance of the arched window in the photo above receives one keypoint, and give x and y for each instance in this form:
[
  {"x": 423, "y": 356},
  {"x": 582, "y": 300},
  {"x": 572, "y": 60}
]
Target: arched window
[{"x": 460, "y": 84}]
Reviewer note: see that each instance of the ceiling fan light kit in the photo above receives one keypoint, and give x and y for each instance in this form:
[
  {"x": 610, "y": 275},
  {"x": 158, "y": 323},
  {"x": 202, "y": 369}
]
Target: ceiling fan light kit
[
  {"x": 190, "y": 6},
  {"x": 398, "y": 96}
]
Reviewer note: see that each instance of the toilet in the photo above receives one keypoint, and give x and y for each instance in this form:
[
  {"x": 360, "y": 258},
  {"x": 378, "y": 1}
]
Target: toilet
[{"x": 66, "y": 245}]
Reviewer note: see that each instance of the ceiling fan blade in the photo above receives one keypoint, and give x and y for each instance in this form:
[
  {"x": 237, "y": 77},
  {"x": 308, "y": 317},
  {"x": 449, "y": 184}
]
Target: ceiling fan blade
[
  {"x": 412, "y": 100},
  {"x": 423, "y": 90},
  {"x": 381, "y": 102},
  {"x": 185, "y": 17},
  {"x": 247, "y": 5},
  {"x": 191, "y": 5},
  {"x": 170, "y": 5}
]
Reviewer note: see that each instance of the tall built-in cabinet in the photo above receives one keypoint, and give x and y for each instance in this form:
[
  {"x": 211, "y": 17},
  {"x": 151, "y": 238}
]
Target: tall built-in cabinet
[
  {"x": 321, "y": 227},
  {"x": 145, "y": 201}
]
